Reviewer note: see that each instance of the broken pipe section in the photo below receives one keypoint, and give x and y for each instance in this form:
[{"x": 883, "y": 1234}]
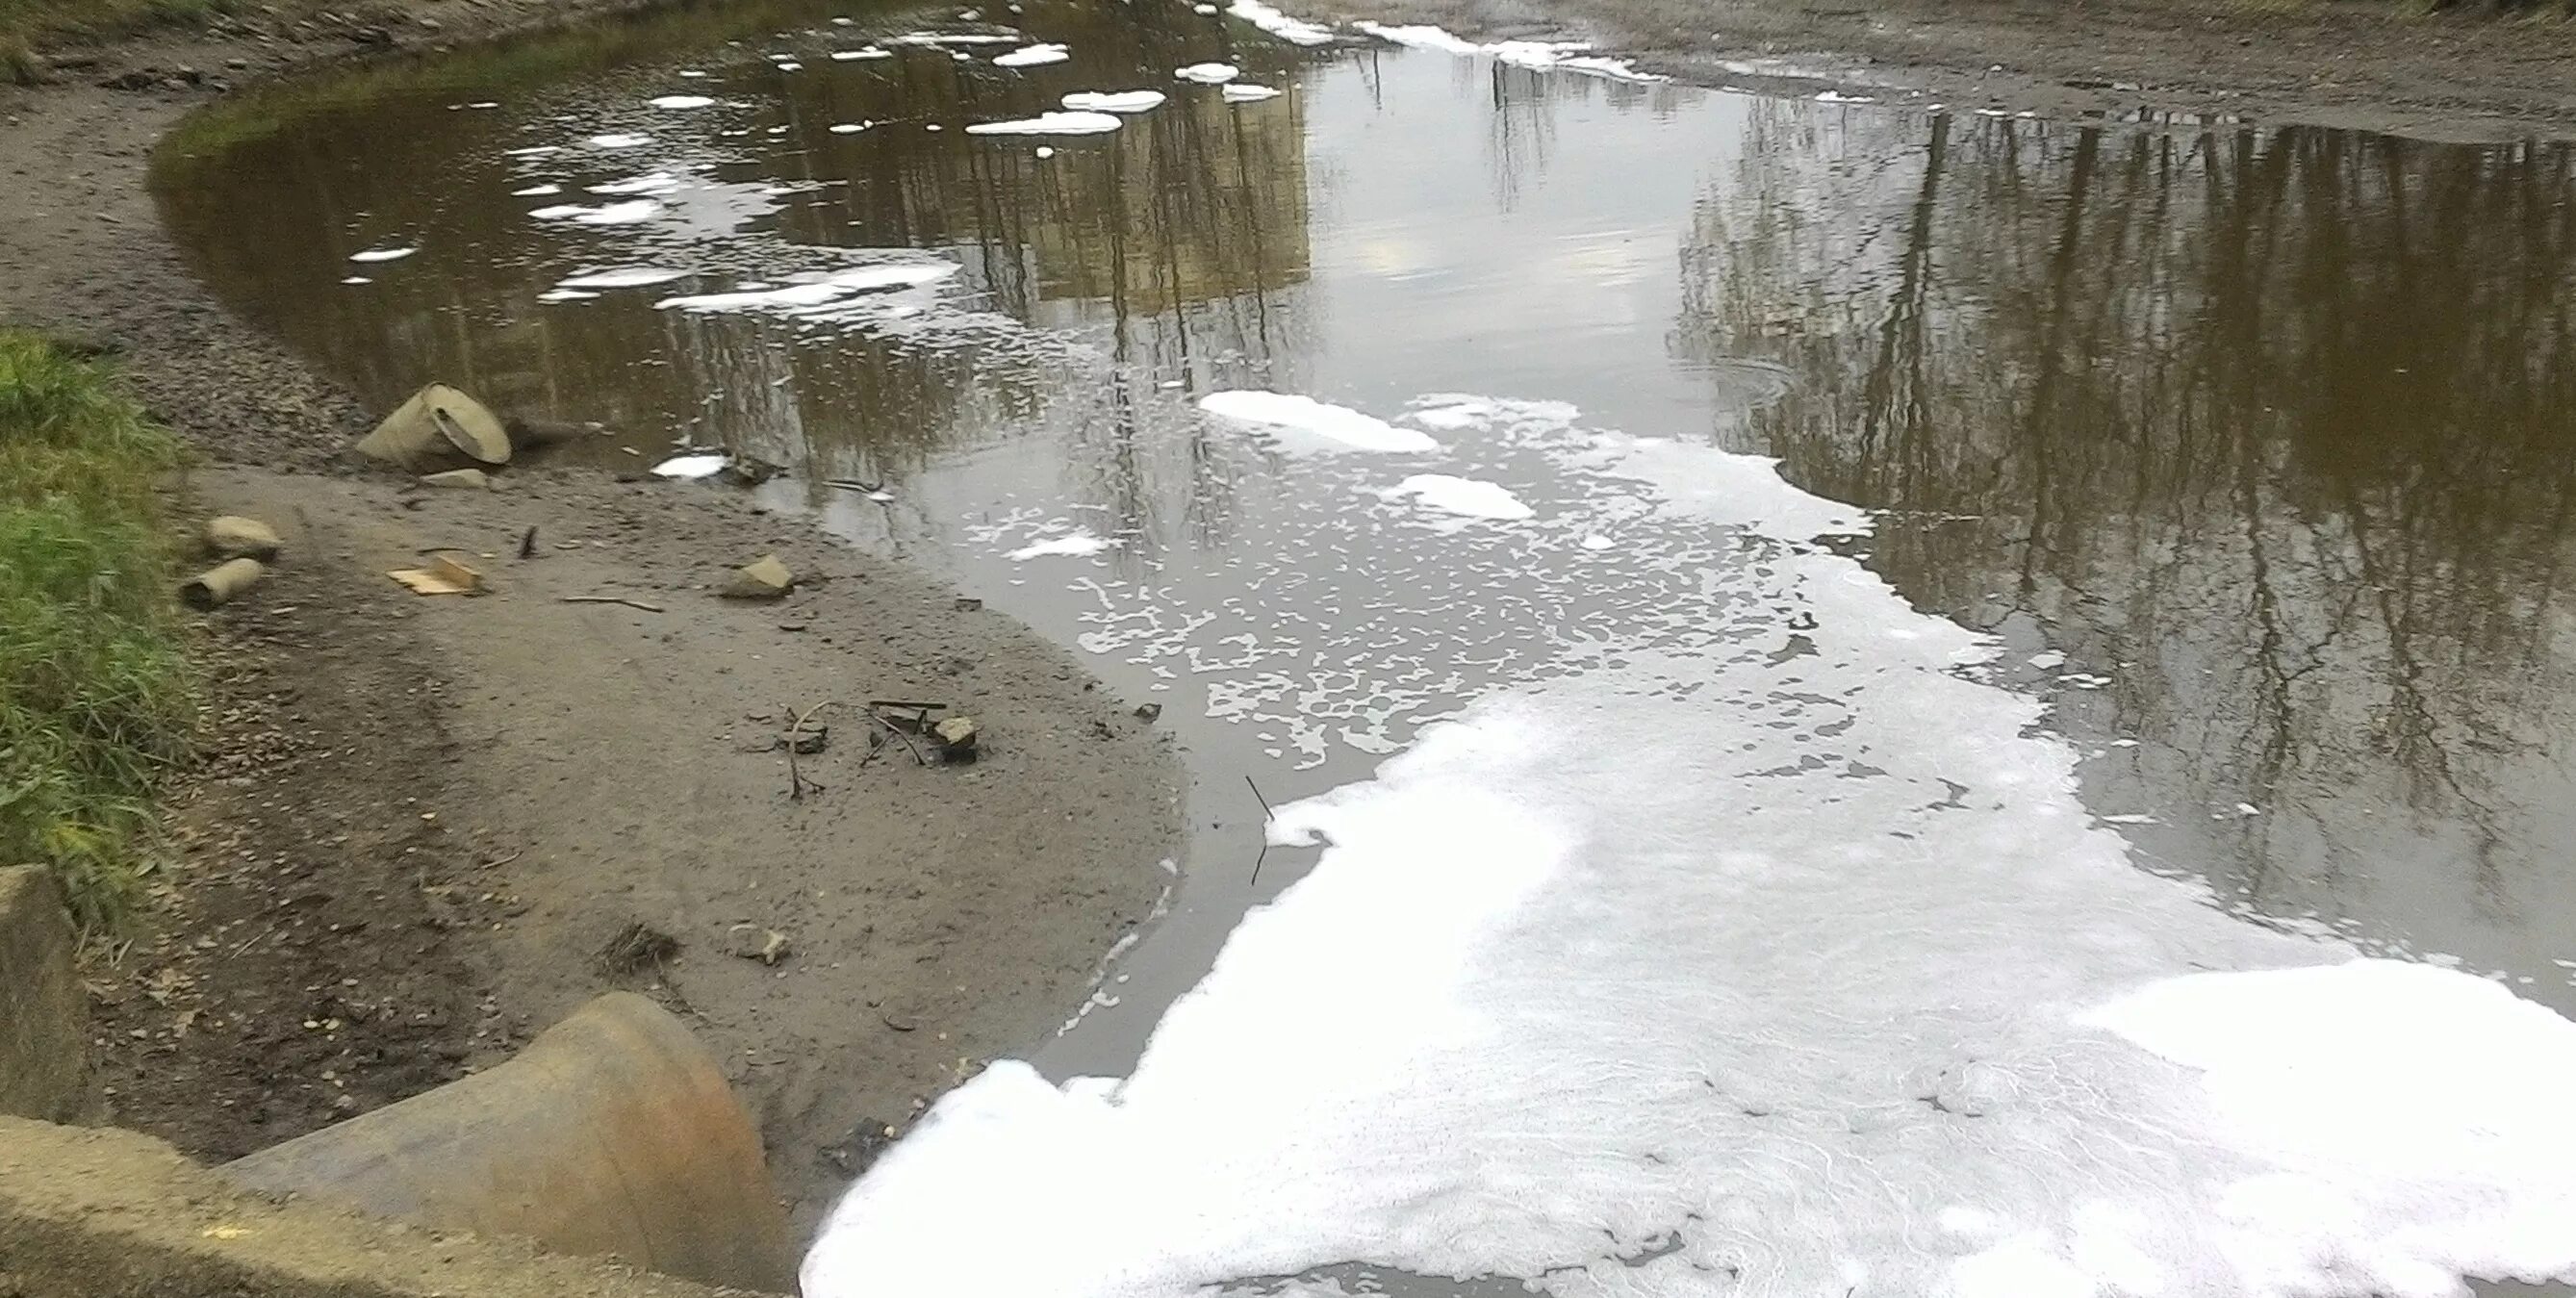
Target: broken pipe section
[{"x": 612, "y": 1133}]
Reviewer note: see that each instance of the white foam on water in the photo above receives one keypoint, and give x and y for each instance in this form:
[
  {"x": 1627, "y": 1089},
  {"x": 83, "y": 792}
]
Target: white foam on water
[
  {"x": 1114, "y": 101},
  {"x": 1031, "y": 56},
  {"x": 1596, "y": 541},
  {"x": 1074, "y": 543},
  {"x": 1203, "y": 8},
  {"x": 355, "y": 279},
  {"x": 1295, "y": 31},
  {"x": 1749, "y": 494},
  {"x": 1465, "y": 497},
  {"x": 536, "y": 191},
  {"x": 1244, "y": 92},
  {"x": 1838, "y": 97},
  {"x": 627, "y": 213},
  {"x": 1564, "y": 56},
  {"x": 619, "y": 140},
  {"x": 863, "y": 52},
  {"x": 956, "y": 38},
  {"x": 1208, "y": 74},
  {"x": 1305, "y": 424},
  {"x": 532, "y": 151},
  {"x": 565, "y": 295},
  {"x": 1052, "y": 123},
  {"x": 691, "y": 73},
  {"x": 651, "y": 182},
  {"x": 825, "y": 291},
  {"x": 851, "y": 128},
  {"x": 703, "y": 465},
  {"x": 382, "y": 254},
  {"x": 680, "y": 101},
  {"x": 627, "y": 277},
  {"x": 789, "y": 65},
  {"x": 1045, "y": 152},
  {"x": 1722, "y": 970},
  {"x": 2047, "y": 659}
]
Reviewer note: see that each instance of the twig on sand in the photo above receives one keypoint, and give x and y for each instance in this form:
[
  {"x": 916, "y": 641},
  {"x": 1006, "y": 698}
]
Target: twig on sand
[
  {"x": 899, "y": 733},
  {"x": 1267, "y": 815},
  {"x": 608, "y": 599},
  {"x": 796, "y": 780}
]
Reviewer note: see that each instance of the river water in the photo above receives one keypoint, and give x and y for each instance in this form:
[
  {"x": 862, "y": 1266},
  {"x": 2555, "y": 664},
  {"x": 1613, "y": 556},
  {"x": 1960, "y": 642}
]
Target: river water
[{"x": 1843, "y": 684}]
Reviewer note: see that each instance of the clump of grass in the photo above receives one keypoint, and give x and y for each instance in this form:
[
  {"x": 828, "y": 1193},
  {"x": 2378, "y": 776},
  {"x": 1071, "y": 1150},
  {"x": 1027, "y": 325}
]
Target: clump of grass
[
  {"x": 96, "y": 696},
  {"x": 18, "y": 66}
]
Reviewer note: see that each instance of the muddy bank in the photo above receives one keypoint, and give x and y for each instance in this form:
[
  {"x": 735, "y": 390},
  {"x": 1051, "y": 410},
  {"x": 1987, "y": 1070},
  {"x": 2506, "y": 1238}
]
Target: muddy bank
[
  {"x": 2376, "y": 65},
  {"x": 421, "y": 821}
]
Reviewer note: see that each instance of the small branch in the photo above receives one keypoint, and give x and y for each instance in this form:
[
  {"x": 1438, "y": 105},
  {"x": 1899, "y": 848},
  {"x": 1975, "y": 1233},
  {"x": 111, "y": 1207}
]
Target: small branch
[
  {"x": 899, "y": 733},
  {"x": 608, "y": 599},
  {"x": 795, "y": 778},
  {"x": 1266, "y": 812}
]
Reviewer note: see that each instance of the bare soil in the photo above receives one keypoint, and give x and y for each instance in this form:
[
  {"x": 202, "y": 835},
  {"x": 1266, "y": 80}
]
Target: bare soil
[
  {"x": 420, "y": 821},
  {"x": 2465, "y": 74}
]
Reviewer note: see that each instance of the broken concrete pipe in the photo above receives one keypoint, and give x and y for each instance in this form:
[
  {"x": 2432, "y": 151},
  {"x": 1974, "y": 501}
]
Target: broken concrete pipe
[
  {"x": 217, "y": 585},
  {"x": 230, "y": 536},
  {"x": 762, "y": 578},
  {"x": 612, "y": 1133},
  {"x": 438, "y": 428}
]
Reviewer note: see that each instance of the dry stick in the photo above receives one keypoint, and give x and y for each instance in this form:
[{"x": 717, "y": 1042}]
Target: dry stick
[
  {"x": 898, "y": 732},
  {"x": 528, "y": 543},
  {"x": 796, "y": 781},
  {"x": 608, "y": 599},
  {"x": 1267, "y": 815}
]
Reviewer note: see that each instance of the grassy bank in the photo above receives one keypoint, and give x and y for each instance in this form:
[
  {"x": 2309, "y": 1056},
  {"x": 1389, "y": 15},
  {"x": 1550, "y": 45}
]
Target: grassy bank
[{"x": 96, "y": 699}]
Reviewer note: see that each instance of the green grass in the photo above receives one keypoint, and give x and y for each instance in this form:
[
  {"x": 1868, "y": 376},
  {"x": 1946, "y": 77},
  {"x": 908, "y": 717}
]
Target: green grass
[
  {"x": 34, "y": 24},
  {"x": 97, "y": 700}
]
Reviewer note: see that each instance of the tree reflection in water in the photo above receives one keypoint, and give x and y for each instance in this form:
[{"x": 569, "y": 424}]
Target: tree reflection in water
[{"x": 2276, "y": 430}]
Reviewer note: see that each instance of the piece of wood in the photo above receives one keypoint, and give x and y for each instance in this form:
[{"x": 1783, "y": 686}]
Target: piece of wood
[{"x": 609, "y": 599}]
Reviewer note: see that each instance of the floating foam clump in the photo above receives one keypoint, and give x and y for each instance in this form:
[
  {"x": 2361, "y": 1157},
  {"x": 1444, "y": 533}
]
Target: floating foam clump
[
  {"x": 1030, "y": 56},
  {"x": 812, "y": 293},
  {"x": 1737, "y": 971},
  {"x": 631, "y": 277},
  {"x": 1303, "y": 423},
  {"x": 626, "y": 213},
  {"x": 1295, "y": 31},
  {"x": 1464, "y": 497},
  {"x": 1073, "y": 543},
  {"x": 1049, "y": 124},
  {"x": 1121, "y": 101},
  {"x": 1565, "y": 56}
]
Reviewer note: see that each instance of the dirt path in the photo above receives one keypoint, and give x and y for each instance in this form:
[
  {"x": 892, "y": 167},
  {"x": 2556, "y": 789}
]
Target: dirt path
[
  {"x": 2376, "y": 65},
  {"x": 421, "y": 820}
]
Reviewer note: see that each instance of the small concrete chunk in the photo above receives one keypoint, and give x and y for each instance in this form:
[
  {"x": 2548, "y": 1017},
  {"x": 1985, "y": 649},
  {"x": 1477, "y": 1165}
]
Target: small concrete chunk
[
  {"x": 763, "y": 578},
  {"x": 230, "y": 536},
  {"x": 752, "y": 942},
  {"x": 957, "y": 736}
]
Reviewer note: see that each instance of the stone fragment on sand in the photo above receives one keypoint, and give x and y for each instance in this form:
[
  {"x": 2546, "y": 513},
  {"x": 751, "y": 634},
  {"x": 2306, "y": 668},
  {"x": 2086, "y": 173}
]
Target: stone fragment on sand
[
  {"x": 463, "y": 479},
  {"x": 752, "y": 942},
  {"x": 763, "y": 578},
  {"x": 231, "y": 536}
]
